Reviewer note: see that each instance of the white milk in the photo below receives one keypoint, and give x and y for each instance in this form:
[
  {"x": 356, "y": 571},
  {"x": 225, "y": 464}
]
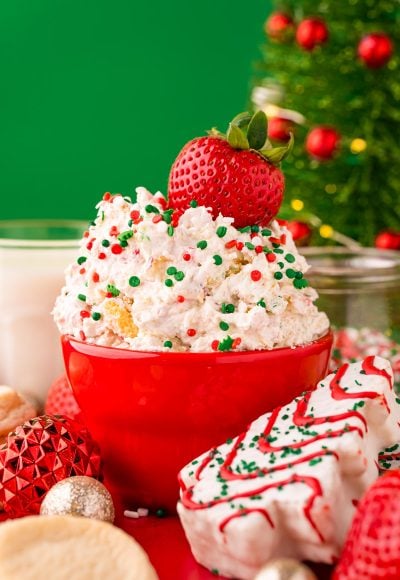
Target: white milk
[{"x": 30, "y": 351}]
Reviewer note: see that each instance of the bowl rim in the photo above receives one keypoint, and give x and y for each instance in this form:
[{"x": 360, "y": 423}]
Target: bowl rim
[{"x": 111, "y": 352}]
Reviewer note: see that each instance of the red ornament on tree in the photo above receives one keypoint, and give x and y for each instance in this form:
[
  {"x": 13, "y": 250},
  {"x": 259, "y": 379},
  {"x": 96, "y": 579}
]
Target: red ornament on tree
[
  {"x": 311, "y": 33},
  {"x": 388, "y": 240},
  {"x": 300, "y": 231},
  {"x": 279, "y": 26},
  {"x": 61, "y": 400},
  {"x": 322, "y": 142},
  {"x": 41, "y": 452},
  {"x": 375, "y": 49},
  {"x": 279, "y": 129}
]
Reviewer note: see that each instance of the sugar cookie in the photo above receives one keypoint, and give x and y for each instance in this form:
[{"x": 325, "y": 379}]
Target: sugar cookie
[
  {"x": 14, "y": 410},
  {"x": 69, "y": 548}
]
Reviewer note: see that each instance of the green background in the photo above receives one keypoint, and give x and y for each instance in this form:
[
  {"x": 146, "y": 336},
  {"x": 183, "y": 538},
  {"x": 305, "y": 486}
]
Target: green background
[{"x": 99, "y": 95}]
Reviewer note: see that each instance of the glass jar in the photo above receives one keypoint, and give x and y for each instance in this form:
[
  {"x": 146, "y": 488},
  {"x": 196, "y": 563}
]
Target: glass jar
[{"x": 360, "y": 292}]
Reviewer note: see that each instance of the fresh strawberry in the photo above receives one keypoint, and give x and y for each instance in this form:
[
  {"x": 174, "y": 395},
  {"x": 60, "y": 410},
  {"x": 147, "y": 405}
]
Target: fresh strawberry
[
  {"x": 61, "y": 400},
  {"x": 236, "y": 174},
  {"x": 372, "y": 548}
]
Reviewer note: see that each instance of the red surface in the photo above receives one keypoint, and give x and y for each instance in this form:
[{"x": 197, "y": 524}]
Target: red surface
[{"x": 151, "y": 413}]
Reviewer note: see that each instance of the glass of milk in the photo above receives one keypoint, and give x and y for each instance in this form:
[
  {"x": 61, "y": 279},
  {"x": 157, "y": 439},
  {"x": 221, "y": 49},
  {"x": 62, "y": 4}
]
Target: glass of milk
[{"x": 33, "y": 257}]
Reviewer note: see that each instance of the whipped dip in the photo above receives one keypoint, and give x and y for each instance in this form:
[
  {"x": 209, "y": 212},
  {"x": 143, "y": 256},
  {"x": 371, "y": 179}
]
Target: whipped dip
[{"x": 147, "y": 278}]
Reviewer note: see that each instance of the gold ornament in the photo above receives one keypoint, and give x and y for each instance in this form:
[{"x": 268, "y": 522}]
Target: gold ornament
[
  {"x": 297, "y": 204},
  {"x": 326, "y": 231},
  {"x": 79, "y": 496},
  {"x": 358, "y": 145},
  {"x": 285, "y": 569}
]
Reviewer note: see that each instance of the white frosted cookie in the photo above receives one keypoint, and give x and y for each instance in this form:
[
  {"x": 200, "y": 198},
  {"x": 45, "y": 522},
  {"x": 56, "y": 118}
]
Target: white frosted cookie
[
  {"x": 14, "y": 410},
  {"x": 69, "y": 548},
  {"x": 288, "y": 486}
]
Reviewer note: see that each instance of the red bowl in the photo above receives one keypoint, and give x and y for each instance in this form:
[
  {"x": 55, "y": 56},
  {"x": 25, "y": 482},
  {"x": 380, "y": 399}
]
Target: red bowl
[{"x": 152, "y": 412}]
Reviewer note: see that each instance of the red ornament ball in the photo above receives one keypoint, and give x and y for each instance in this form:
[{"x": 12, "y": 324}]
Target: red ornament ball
[
  {"x": 61, "y": 400},
  {"x": 279, "y": 26},
  {"x": 301, "y": 232},
  {"x": 38, "y": 454},
  {"x": 279, "y": 129},
  {"x": 322, "y": 142},
  {"x": 311, "y": 32},
  {"x": 388, "y": 240},
  {"x": 375, "y": 49}
]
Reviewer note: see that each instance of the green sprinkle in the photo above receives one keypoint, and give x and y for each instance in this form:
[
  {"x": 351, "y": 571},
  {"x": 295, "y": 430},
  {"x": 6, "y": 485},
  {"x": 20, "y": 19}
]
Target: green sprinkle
[
  {"x": 221, "y": 231},
  {"x": 278, "y": 251},
  {"x": 224, "y": 325},
  {"x": 179, "y": 276},
  {"x": 96, "y": 315},
  {"x": 82, "y": 297},
  {"x": 284, "y": 417},
  {"x": 225, "y": 344},
  {"x": 245, "y": 229},
  {"x": 130, "y": 222},
  {"x": 124, "y": 236},
  {"x": 134, "y": 281},
  {"x": 290, "y": 273},
  {"x": 249, "y": 245},
  {"x": 151, "y": 209},
  {"x": 167, "y": 216},
  {"x": 299, "y": 274},
  {"x": 193, "y": 203},
  {"x": 290, "y": 258},
  {"x": 81, "y": 260},
  {"x": 168, "y": 344},
  {"x": 227, "y": 308},
  {"x": 266, "y": 232},
  {"x": 278, "y": 275},
  {"x": 315, "y": 461},
  {"x": 170, "y": 230},
  {"x": 255, "y": 229},
  {"x": 217, "y": 260},
  {"x": 261, "y": 303},
  {"x": 202, "y": 244},
  {"x": 105, "y": 243},
  {"x": 300, "y": 283},
  {"x": 281, "y": 265},
  {"x": 168, "y": 282},
  {"x": 112, "y": 290},
  {"x": 171, "y": 270}
]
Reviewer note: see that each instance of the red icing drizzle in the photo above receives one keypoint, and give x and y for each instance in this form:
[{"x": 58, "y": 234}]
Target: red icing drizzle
[{"x": 300, "y": 419}]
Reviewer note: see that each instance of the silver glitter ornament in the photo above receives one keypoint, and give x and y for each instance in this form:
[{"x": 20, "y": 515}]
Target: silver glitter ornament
[
  {"x": 285, "y": 569},
  {"x": 79, "y": 496}
]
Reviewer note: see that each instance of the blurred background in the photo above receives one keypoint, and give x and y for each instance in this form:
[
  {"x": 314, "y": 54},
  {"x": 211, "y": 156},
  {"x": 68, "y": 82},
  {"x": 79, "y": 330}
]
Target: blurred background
[{"x": 100, "y": 96}]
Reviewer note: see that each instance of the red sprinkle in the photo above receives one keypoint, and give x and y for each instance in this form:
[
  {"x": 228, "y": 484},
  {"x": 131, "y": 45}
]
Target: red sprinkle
[
  {"x": 84, "y": 314},
  {"x": 102, "y": 256},
  {"x": 175, "y": 218},
  {"x": 116, "y": 249},
  {"x": 255, "y": 275},
  {"x": 89, "y": 245},
  {"x": 191, "y": 332},
  {"x": 253, "y": 234},
  {"x": 180, "y": 298},
  {"x": 109, "y": 295},
  {"x": 270, "y": 257},
  {"x": 135, "y": 216},
  {"x": 258, "y": 249},
  {"x": 82, "y": 335},
  {"x": 215, "y": 344},
  {"x": 162, "y": 201},
  {"x": 186, "y": 257},
  {"x": 95, "y": 277},
  {"x": 86, "y": 234},
  {"x": 239, "y": 245},
  {"x": 157, "y": 218},
  {"x": 230, "y": 244},
  {"x": 236, "y": 342},
  {"x": 107, "y": 196},
  {"x": 113, "y": 231},
  {"x": 82, "y": 271}
]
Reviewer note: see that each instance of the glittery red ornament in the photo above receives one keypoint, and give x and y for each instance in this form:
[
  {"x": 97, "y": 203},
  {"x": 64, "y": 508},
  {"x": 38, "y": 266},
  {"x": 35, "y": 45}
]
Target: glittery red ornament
[
  {"x": 311, "y": 32},
  {"x": 375, "y": 49},
  {"x": 279, "y": 26},
  {"x": 61, "y": 400},
  {"x": 322, "y": 142},
  {"x": 279, "y": 129},
  {"x": 39, "y": 453},
  {"x": 388, "y": 240}
]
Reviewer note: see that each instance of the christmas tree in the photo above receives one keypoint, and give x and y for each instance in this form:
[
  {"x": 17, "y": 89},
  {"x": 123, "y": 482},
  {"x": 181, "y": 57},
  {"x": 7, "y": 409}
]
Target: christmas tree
[{"x": 330, "y": 74}]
